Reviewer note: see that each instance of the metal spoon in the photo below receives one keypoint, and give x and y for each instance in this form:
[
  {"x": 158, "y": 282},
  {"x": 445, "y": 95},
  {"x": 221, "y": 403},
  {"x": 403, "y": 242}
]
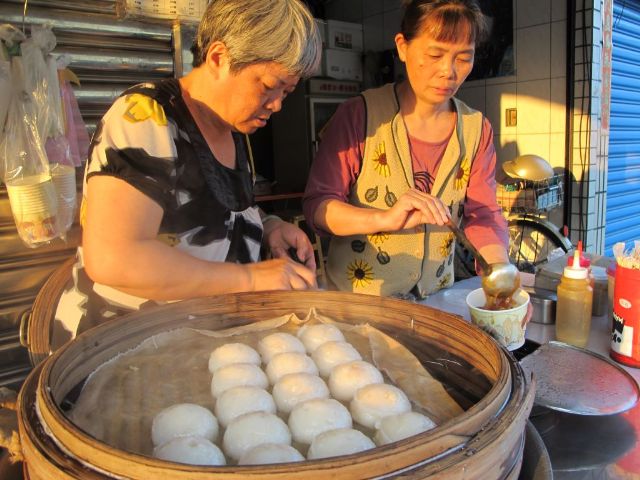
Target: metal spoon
[{"x": 499, "y": 279}]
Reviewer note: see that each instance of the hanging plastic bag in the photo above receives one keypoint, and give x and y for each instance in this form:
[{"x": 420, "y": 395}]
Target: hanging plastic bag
[
  {"x": 35, "y": 74},
  {"x": 5, "y": 88},
  {"x": 63, "y": 172},
  {"x": 75, "y": 128},
  {"x": 10, "y": 38},
  {"x": 25, "y": 168}
]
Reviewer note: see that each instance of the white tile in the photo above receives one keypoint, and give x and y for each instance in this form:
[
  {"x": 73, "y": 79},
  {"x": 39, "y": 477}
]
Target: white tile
[
  {"x": 532, "y": 12},
  {"x": 591, "y": 239},
  {"x": 391, "y": 26},
  {"x": 557, "y": 150},
  {"x": 588, "y": 208},
  {"x": 558, "y": 10},
  {"x": 372, "y": 7},
  {"x": 481, "y": 82},
  {"x": 373, "y": 30},
  {"x": 580, "y": 89},
  {"x": 473, "y": 96},
  {"x": 506, "y": 149},
  {"x": 533, "y": 56},
  {"x": 558, "y": 49},
  {"x": 584, "y": 17},
  {"x": 534, "y": 111},
  {"x": 345, "y": 10},
  {"x": 536, "y": 144},
  {"x": 558, "y": 105},
  {"x": 499, "y": 99},
  {"x": 501, "y": 80}
]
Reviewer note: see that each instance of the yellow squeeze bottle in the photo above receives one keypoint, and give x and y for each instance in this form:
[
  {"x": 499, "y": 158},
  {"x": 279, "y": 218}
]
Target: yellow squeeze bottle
[{"x": 573, "y": 310}]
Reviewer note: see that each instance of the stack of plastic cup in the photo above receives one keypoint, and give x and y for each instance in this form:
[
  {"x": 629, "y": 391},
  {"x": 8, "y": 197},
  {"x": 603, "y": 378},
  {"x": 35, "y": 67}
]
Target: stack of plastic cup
[
  {"x": 64, "y": 180},
  {"x": 34, "y": 206}
]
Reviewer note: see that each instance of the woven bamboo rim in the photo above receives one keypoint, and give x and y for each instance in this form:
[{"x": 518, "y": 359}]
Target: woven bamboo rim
[
  {"x": 38, "y": 328},
  {"x": 462, "y": 444}
]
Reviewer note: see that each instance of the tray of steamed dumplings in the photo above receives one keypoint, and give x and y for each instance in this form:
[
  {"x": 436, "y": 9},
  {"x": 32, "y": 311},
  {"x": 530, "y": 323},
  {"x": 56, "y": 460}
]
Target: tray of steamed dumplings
[
  {"x": 285, "y": 396},
  {"x": 319, "y": 384}
]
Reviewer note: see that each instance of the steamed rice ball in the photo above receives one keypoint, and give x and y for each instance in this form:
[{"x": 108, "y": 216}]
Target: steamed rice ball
[
  {"x": 278, "y": 342},
  {"x": 313, "y": 336},
  {"x": 342, "y": 441},
  {"x": 240, "y": 400},
  {"x": 237, "y": 375},
  {"x": 232, "y": 353},
  {"x": 347, "y": 378},
  {"x": 403, "y": 425},
  {"x": 313, "y": 417},
  {"x": 373, "y": 402},
  {"x": 331, "y": 354},
  {"x": 253, "y": 429},
  {"x": 269, "y": 453},
  {"x": 289, "y": 362},
  {"x": 183, "y": 419},
  {"x": 296, "y": 388},
  {"x": 191, "y": 450}
]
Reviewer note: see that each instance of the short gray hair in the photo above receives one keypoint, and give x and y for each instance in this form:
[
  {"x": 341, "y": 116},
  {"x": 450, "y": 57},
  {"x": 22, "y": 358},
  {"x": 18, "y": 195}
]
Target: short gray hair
[{"x": 255, "y": 31}]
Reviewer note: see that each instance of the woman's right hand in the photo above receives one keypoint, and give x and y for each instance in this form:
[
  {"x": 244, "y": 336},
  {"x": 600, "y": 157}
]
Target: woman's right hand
[
  {"x": 280, "y": 274},
  {"x": 414, "y": 208}
]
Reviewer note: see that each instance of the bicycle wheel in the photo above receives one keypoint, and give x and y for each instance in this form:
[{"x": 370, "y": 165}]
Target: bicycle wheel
[{"x": 531, "y": 240}]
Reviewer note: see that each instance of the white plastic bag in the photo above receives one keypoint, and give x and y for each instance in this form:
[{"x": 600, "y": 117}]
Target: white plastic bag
[{"x": 26, "y": 174}]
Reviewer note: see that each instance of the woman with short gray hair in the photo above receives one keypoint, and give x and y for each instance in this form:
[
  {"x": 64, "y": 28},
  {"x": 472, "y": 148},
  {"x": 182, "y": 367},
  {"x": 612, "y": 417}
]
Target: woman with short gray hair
[
  {"x": 285, "y": 33},
  {"x": 168, "y": 210}
]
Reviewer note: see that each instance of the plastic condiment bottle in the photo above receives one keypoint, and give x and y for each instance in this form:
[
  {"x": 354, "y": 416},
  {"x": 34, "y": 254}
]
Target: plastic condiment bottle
[{"x": 573, "y": 309}]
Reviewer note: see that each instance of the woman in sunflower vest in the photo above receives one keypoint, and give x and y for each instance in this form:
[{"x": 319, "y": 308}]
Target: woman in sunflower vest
[
  {"x": 399, "y": 161},
  {"x": 168, "y": 210}
]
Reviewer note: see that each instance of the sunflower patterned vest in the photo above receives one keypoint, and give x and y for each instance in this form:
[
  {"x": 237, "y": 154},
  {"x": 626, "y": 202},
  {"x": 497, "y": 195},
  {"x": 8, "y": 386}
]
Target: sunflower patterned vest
[{"x": 393, "y": 263}]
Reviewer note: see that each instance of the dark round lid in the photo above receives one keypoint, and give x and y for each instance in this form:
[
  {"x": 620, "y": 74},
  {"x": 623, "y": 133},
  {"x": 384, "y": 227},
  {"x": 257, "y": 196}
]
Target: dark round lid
[{"x": 575, "y": 380}]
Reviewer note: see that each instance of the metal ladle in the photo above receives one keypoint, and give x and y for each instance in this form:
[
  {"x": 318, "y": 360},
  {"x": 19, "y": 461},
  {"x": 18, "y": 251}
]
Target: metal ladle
[{"x": 499, "y": 280}]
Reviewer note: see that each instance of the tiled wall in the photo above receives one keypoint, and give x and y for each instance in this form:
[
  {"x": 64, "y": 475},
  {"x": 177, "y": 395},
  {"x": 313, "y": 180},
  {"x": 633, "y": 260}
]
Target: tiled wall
[
  {"x": 380, "y": 19},
  {"x": 538, "y": 89},
  {"x": 538, "y": 92}
]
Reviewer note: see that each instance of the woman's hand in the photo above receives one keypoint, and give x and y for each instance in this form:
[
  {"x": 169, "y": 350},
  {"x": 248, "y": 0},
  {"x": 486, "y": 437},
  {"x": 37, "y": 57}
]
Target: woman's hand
[
  {"x": 414, "y": 208},
  {"x": 281, "y": 236},
  {"x": 527, "y": 317},
  {"x": 280, "y": 274}
]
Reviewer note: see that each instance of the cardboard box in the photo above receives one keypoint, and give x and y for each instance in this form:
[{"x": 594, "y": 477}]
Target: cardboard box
[
  {"x": 344, "y": 36},
  {"x": 342, "y": 64}
]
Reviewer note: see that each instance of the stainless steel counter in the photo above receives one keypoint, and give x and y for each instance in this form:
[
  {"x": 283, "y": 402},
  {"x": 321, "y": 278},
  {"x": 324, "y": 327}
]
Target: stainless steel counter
[{"x": 580, "y": 447}]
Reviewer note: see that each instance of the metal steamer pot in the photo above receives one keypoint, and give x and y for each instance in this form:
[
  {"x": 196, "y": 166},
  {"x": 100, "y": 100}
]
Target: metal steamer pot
[{"x": 486, "y": 441}]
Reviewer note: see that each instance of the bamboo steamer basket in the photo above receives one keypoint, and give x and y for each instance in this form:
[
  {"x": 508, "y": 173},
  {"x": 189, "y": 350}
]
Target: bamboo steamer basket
[{"x": 486, "y": 441}]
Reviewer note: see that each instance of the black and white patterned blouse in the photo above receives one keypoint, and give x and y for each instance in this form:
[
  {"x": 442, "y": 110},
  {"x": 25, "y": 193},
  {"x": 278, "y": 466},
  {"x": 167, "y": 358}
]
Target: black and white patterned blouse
[{"x": 149, "y": 139}]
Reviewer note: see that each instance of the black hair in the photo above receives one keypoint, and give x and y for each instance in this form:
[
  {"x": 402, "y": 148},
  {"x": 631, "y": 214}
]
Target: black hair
[{"x": 444, "y": 20}]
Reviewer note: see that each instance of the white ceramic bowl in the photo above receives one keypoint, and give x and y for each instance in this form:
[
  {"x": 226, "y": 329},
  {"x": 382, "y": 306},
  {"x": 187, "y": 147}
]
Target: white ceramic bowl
[{"x": 503, "y": 325}]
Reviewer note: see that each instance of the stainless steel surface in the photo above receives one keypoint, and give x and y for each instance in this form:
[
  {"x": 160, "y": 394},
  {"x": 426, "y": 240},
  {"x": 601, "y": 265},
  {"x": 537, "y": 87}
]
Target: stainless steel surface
[
  {"x": 502, "y": 281},
  {"x": 528, "y": 167},
  {"x": 543, "y": 303},
  {"x": 79, "y": 22},
  {"x": 580, "y": 446},
  {"x": 95, "y": 6},
  {"x": 575, "y": 380},
  {"x": 536, "y": 464},
  {"x": 106, "y": 53},
  {"x": 585, "y": 447}
]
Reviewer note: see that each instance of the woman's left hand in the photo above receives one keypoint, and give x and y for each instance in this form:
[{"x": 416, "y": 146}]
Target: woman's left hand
[
  {"x": 281, "y": 236},
  {"x": 528, "y": 315}
]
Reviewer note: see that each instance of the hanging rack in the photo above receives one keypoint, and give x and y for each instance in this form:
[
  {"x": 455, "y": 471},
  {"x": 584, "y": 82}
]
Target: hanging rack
[{"x": 24, "y": 14}]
